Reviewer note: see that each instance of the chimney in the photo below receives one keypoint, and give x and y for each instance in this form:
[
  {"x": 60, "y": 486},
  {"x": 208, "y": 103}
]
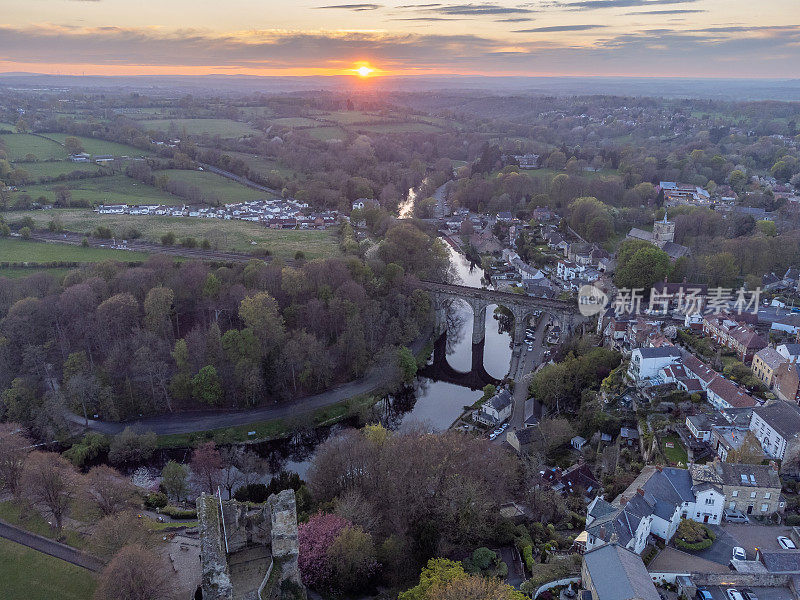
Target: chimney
[
  {"x": 640, "y": 491},
  {"x": 659, "y": 468},
  {"x": 614, "y": 538},
  {"x": 623, "y": 500},
  {"x": 773, "y": 465}
]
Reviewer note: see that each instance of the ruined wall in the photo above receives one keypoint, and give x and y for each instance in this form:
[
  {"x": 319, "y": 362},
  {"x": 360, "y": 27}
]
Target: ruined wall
[{"x": 216, "y": 581}]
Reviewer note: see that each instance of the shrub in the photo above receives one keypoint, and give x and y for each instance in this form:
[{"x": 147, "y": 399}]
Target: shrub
[
  {"x": 178, "y": 513},
  {"x": 25, "y": 232},
  {"x": 793, "y": 520},
  {"x": 156, "y": 500},
  {"x": 254, "y": 492},
  {"x": 527, "y": 556},
  {"x": 693, "y": 536},
  {"x": 168, "y": 239},
  {"x": 103, "y": 232},
  {"x": 189, "y": 242}
]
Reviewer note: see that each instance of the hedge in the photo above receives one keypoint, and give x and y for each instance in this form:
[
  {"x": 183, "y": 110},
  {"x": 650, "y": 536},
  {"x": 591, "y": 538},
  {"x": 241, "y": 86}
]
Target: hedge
[{"x": 178, "y": 513}]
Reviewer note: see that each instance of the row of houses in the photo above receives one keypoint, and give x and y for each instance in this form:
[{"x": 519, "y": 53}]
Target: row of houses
[
  {"x": 277, "y": 214},
  {"x": 660, "y": 498}
]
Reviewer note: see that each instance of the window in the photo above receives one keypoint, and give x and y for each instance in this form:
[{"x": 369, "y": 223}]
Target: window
[
  {"x": 732, "y": 505},
  {"x": 764, "y": 507},
  {"x": 710, "y": 501},
  {"x": 767, "y": 495},
  {"x": 734, "y": 493},
  {"x": 752, "y": 494}
]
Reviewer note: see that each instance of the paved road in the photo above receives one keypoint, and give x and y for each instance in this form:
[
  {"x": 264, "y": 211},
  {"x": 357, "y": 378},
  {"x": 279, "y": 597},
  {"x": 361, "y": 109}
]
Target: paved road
[
  {"x": 440, "y": 210},
  {"x": 51, "y": 547},
  {"x": 527, "y": 361},
  {"x": 188, "y": 422}
]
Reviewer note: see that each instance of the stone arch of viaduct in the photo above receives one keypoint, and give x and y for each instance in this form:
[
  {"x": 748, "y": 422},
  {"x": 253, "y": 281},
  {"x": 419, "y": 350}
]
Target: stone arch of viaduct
[{"x": 521, "y": 306}]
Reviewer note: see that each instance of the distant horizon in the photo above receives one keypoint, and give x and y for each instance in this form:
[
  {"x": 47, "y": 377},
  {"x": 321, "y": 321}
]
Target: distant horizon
[{"x": 527, "y": 38}]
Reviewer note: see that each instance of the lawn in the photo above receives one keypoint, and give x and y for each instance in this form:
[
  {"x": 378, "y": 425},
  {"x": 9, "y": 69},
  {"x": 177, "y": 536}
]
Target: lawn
[
  {"x": 113, "y": 189},
  {"x": 326, "y": 133},
  {"x": 19, "y": 250},
  {"x": 261, "y": 165},
  {"x": 30, "y": 520},
  {"x": 216, "y": 187},
  {"x": 222, "y": 127},
  {"x": 10, "y": 273},
  {"x": 400, "y": 127},
  {"x": 95, "y": 146},
  {"x": 8, "y": 127},
  {"x": 55, "y": 168},
  {"x": 242, "y": 236},
  {"x": 677, "y": 454},
  {"x": 31, "y": 575},
  {"x": 296, "y": 122},
  {"x": 19, "y": 145},
  {"x": 349, "y": 117}
]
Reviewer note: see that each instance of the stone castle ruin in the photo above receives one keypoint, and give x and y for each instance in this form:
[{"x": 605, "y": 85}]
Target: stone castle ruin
[{"x": 249, "y": 553}]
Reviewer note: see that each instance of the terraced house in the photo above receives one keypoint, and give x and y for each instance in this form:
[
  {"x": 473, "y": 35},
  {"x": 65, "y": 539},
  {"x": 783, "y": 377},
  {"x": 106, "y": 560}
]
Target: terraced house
[
  {"x": 750, "y": 489},
  {"x": 739, "y": 337}
]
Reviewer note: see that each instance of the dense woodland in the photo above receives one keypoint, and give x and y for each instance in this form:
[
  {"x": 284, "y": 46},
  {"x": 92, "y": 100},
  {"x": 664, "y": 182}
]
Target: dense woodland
[{"x": 121, "y": 340}]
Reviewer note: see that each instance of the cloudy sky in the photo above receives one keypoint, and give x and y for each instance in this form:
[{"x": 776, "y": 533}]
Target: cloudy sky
[{"x": 715, "y": 38}]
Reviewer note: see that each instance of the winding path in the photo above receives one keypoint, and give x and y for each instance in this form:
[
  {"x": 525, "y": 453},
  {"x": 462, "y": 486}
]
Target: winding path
[{"x": 51, "y": 547}]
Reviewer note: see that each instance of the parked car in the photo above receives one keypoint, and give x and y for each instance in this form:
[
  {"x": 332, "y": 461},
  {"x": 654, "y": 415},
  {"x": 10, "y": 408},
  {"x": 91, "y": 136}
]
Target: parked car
[
  {"x": 734, "y": 516},
  {"x": 734, "y": 594},
  {"x": 749, "y": 594},
  {"x": 786, "y": 543},
  {"x": 703, "y": 594},
  {"x": 739, "y": 553}
]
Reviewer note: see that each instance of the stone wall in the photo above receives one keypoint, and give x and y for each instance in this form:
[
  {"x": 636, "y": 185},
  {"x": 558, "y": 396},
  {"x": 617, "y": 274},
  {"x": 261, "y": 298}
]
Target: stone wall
[
  {"x": 216, "y": 581},
  {"x": 273, "y": 524}
]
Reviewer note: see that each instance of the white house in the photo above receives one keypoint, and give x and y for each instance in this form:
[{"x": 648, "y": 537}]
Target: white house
[
  {"x": 496, "y": 409},
  {"x": 654, "y": 504},
  {"x": 647, "y": 362},
  {"x": 777, "y": 427},
  {"x": 791, "y": 352},
  {"x": 568, "y": 270}
]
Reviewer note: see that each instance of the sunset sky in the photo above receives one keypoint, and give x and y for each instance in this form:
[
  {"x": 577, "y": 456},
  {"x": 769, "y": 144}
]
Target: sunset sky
[{"x": 717, "y": 38}]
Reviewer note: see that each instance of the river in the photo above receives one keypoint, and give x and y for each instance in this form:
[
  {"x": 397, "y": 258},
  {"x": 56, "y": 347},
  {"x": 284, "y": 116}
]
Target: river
[{"x": 428, "y": 403}]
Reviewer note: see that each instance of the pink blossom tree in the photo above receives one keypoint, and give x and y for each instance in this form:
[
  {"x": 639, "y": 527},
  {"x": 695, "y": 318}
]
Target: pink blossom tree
[{"x": 315, "y": 537}]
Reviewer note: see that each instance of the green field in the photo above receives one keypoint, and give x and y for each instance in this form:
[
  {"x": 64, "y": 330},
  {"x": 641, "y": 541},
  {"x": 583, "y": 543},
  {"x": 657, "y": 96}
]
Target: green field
[
  {"x": 55, "y": 168},
  {"x": 94, "y": 146},
  {"x": 114, "y": 189},
  {"x": 261, "y": 165},
  {"x": 296, "y": 122},
  {"x": 350, "y": 117},
  {"x": 10, "y": 273},
  {"x": 242, "y": 236},
  {"x": 221, "y": 127},
  {"x": 31, "y": 575},
  {"x": 8, "y": 127},
  {"x": 215, "y": 186},
  {"x": 19, "y": 145},
  {"x": 19, "y": 250},
  {"x": 326, "y": 133},
  {"x": 400, "y": 127}
]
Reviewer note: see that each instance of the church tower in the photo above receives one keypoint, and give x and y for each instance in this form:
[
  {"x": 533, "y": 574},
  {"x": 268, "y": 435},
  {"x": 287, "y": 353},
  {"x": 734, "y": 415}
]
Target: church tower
[{"x": 663, "y": 231}]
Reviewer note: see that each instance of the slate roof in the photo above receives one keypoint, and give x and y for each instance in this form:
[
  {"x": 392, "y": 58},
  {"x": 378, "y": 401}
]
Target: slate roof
[
  {"x": 730, "y": 393},
  {"x": 771, "y": 357},
  {"x": 763, "y": 475},
  {"x": 660, "y": 352},
  {"x": 501, "y": 400},
  {"x": 675, "y": 250},
  {"x": 619, "y": 574},
  {"x": 782, "y": 417},
  {"x": 783, "y": 561}
]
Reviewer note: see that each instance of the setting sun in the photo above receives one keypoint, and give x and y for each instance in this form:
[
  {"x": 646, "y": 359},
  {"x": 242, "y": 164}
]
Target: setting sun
[{"x": 364, "y": 71}]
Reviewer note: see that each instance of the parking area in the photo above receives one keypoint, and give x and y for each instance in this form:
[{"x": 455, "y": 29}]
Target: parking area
[
  {"x": 762, "y": 593},
  {"x": 747, "y": 536}
]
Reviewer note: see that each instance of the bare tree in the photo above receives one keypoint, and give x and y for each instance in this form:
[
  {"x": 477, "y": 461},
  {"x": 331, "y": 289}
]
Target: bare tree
[
  {"x": 206, "y": 464},
  {"x": 112, "y": 533},
  {"x": 251, "y": 465},
  {"x": 14, "y": 447},
  {"x": 110, "y": 491},
  {"x": 50, "y": 483},
  {"x": 230, "y": 475},
  {"x": 135, "y": 573}
]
